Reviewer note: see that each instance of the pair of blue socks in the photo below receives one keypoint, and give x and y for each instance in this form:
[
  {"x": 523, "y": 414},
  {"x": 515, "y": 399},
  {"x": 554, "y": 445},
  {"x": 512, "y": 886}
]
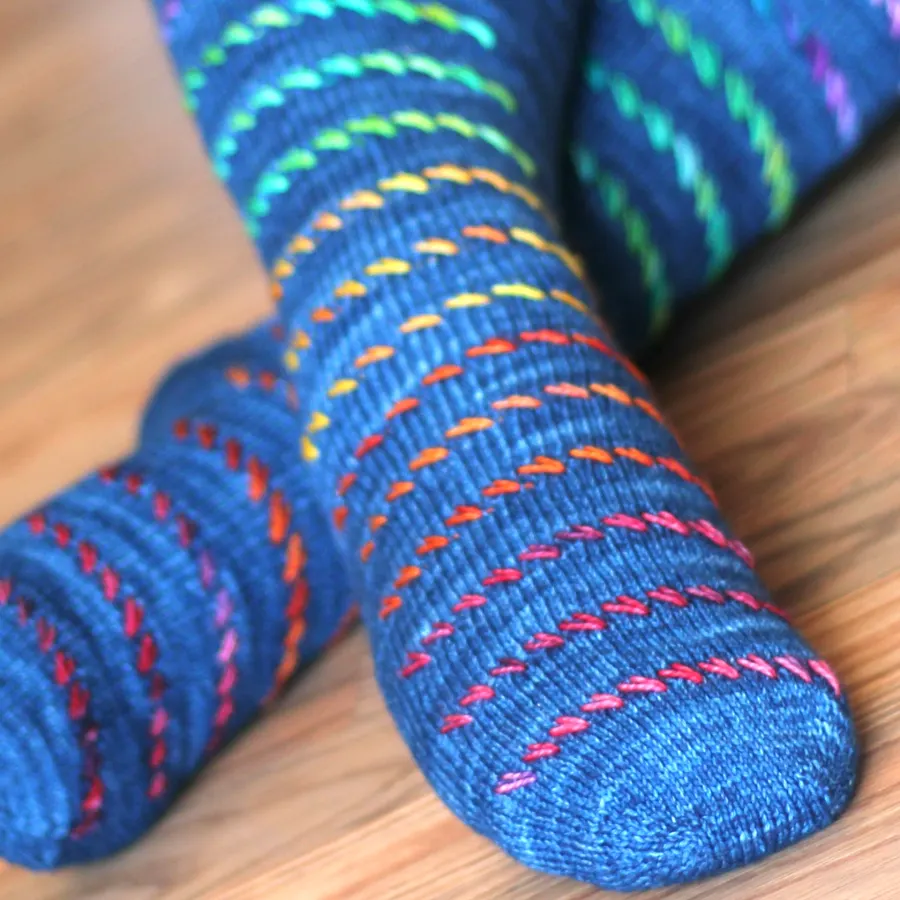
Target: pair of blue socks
[{"x": 441, "y": 426}]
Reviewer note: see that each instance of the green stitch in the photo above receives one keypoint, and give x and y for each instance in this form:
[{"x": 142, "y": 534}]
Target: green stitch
[
  {"x": 742, "y": 104},
  {"x": 691, "y": 172},
  {"x": 274, "y": 180},
  {"x": 638, "y": 237},
  {"x": 342, "y": 65}
]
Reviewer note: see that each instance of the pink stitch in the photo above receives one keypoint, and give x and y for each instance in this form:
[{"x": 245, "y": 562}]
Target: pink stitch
[
  {"x": 451, "y": 723},
  {"x": 565, "y": 726},
  {"x": 439, "y": 630},
  {"x": 626, "y": 606},
  {"x": 620, "y": 520},
  {"x": 509, "y": 666},
  {"x": 539, "y": 551},
  {"x": 502, "y": 576},
  {"x": 469, "y": 601},
  {"x": 476, "y": 694},
  {"x": 581, "y": 621},
  {"x": 415, "y": 662},
  {"x": 580, "y": 533},
  {"x": 544, "y": 641},
  {"x": 668, "y": 595}
]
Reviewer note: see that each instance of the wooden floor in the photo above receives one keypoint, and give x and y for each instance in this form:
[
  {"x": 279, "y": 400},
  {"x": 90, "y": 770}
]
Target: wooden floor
[{"x": 118, "y": 252}]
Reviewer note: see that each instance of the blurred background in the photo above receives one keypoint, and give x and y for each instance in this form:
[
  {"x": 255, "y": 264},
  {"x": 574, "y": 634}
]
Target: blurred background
[{"x": 119, "y": 252}]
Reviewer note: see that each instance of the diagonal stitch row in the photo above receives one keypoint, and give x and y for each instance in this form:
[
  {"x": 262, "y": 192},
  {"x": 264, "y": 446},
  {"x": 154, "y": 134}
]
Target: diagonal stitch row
[
  {"x": 659, "y": 683},
  {"x": 542, "y": 553},
  {"x": 241, "y": 121},
  {"x": 78, "y": 706},
  {"x": 87, "y": 557}
]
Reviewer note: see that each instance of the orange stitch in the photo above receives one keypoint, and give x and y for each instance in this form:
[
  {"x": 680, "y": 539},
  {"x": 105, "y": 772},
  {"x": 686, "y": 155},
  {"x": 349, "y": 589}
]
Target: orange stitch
[
  {"x": 339, "y": 517},
  {"x": 346, "y": 483},
  {"x": 543, "y": 465},
  {"x": 373, "y": 355},
  {"x": 402, "y": 406},
  {"x": 295, "y": 558},
  {"x": 366, "y": 551},
  {"x": 362, "y": 200},
  {"x": 635, "y": 455},
  {"x": 259, "y": 479},
  {"x": 399, "y": 489},
  {"x": 279, "y": 517},
  {"x": 485, "y": 233},
  {"x": 501, "y": 486},
  {"x": 207, "y": 434},
  {"x": 491, "y": 347},
  {"x": 238, "y": 376},
  {"x": 431, "y": 543},
  {"x": 407, "y": 575},
  {"x": 649, "y": 408},
  {"x": 546, "y": 335},
  {"x": 276, "y": 291},
  {"x": 366, "y": 445},
  {"x": 428, "y": 457},
  {"x": 442, "y": 373},
  {"x": 376, "y": 522},
  {"x": 301, "y": 244},
  {"x": 564, "y": 389},
  {"x": 416, "y": 323},
  {"x": 594, "y": 454},
  {"x": 322, "y": 314},
  {"x": 469, "y": 425},
  {"x": 517, "y": 401},
  {"x": 464, "y": 514},
  {"x": 268, "y": 380},
  {"x": 327, "y": 221},
  {"x": 389, "y": 605},
  {"x": 438, "y": 246},
  {"x": 613, "y": 392}
]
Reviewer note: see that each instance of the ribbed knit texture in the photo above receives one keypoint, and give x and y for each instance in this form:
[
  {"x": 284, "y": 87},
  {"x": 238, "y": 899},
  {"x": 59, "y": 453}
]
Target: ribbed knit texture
[
  {"x": 699, "y": 126},
  {"x": 575, "y": 648},
  {"x": 147, "y": 612}
]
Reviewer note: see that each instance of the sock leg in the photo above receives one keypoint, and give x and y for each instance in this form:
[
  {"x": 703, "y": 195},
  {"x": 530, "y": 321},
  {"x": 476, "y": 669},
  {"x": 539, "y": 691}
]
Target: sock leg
[
  {"x": 148, "y": 611},
  {"x": 700, "y": 127},
  {"x": 576, "y": 650}
]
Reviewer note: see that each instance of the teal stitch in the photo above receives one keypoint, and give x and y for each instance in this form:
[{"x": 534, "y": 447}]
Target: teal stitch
[
  {"x": 291, "y": 13},
  {"x": 739, "y": 96},
  {"x": 342, "y": 65},
  {"x": 638, "y": 237},
  {"x": 690, "y": 171},
  {"x": 275, "y": 180}
]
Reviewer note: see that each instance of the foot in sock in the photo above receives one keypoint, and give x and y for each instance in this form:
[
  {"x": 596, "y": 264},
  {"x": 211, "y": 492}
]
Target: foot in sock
[
  {"x": 700, "y": 126},
  {"x": 577, "y": 652},
  {"x": 148, "y": 612}
]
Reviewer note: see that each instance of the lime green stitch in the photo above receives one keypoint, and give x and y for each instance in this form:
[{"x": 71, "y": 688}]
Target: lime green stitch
[
  {"x": 739, "y": 96},
  {"x": 690, "y": 171},
  {"x": 290, "y": 13},
  {"x": 275, "y": 180},
  {"x": 637, "y": 235}
]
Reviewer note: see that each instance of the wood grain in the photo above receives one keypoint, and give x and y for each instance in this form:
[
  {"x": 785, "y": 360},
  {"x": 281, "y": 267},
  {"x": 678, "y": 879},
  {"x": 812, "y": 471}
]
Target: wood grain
[{"x": 118, "y": 253}]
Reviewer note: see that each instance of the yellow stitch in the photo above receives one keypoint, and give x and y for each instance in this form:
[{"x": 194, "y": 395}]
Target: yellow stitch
[
  {"x": 495, "y": 179},
  {"x": 388, "y": 267},
  {"x": 462, "y": 301},
  {"x": 405, "y": 182},
  {"x": 317, "y": 422},
  {"x": 531, "y": 238},
  {"x": 291, "y": 361},
  {"x": 302, "y": 340},
  {"x": 439, "y": 246},
  {"x": 343, "y": 386},
  {"x": 416, "y": 323},
  {"x": 302, "y": 244},
  {"x": 282, "y": 269},
  {"x": 308, "y": 450},
  {"x": 525, "y": 291},
  {"x": 362, "y": 200},
  {"x": 350, "y": 289},
  {"x": 569, "y": 300},
  {"x": 448, "y": 172},
  {"x": 524, "y": 194}
]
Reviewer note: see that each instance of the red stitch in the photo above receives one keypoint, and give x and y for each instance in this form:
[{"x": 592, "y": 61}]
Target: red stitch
[
  {"x": 133, "y": 483},
  {"x": 110, "y": 583},
  {"x": 509, "y": 666},
  {"x": 502, "y": 576},
  {"x": 366, "y": 445},
  {"x": 469, "y": 601},
  {"x": 602, "y": 347},
  {"x": 5, "y": 591},
  {"x": 232, "y": 454},
  {"x": 544, "y": 641},
  {"x": 680, "y": 671},
  {"x": 62, "y": 533},
  {"x": 566, "y": 725},
  {"x": 580, "y": 533},
  {"x": 581, "y": 621},
  {"x": 794, "y": 666},
  {"x": 627, "y": 606},
  {"x": 602, "y": 702},
  {"x": 37, "y": 523},
  {"x": 88, "y": 555},
  {"x": 476, "y": 694},
  {"x": 134, "y": 616},
  {"x": 451, "y": 723},
  {"x": 546, "y": 336},
  {"x": 540, "y": 551},
  {"x": 206, "y": 435},
  {"x": 439, "y": 630},
  {"x": 540, "y": 751},
  {"x": 346, "y": 483},
  {"x": 717, "y": 666},
  {"x": 79, "y": 698},
  {"x": 491, "y": 347},
  {"x": 641, "y": 685},
  {"x": 415, "y": 662},
  {"x": 64, "y": 668},
  {"x": 46, "y": 635},
  {"x": 162, "y": 505}
]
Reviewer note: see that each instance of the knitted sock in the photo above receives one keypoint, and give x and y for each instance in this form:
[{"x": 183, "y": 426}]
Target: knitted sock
[
  {"x": 147, "y": 612},
  {"x": 699, "y": 127},
  {"x": 576, "y": 650}
]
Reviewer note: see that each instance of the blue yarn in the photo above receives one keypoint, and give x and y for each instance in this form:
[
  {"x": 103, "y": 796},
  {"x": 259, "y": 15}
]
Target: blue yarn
[
  {"x": 53, "y": 758},
  {"x": 577, "y": 653},
  {"x": 778, "y": 48}
]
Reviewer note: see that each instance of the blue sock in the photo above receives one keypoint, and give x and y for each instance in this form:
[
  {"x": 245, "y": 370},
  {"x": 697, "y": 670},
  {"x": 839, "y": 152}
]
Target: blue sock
[
  {"x": 576, "y": 650},
  {"x": 700, "y": 126},
  {"x": 148, "y": 611}
]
